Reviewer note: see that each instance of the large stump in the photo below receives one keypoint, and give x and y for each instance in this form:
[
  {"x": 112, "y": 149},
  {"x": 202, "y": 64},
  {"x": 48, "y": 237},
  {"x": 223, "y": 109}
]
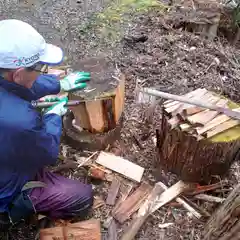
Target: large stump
[
  {"x": 195, "y": 143},
  {"x": 225, "y": 223},
  {"x": 97, "y": 120}
]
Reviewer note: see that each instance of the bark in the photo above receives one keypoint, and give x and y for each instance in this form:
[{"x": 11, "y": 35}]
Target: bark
[
  {"x": 225, "y": 223},
  {"x": 193, "y": 160}
]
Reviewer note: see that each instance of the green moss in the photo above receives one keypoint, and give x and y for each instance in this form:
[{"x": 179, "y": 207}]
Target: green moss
[
  {"x": 108, "y": 23},
  {"x": 231, "y": 134}
]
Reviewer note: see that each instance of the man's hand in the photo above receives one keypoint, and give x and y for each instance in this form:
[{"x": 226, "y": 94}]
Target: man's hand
[
  {"x": 58, "y": 108},
  {"x": 75, "y": 81}
]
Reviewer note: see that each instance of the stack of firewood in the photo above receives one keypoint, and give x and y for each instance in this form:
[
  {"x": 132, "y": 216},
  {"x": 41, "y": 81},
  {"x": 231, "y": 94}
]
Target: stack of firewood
[{"x": 200, "y": 122}]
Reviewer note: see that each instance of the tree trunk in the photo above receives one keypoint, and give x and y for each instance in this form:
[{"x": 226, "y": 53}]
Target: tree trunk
[{"x": 225, "y": 223}]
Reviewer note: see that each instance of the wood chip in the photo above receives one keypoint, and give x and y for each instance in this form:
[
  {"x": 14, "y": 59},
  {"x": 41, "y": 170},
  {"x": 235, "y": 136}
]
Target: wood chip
[
  {"x": 113, "y": 192},
  {"x": 86, "y": 230},
  {"x": 120, "y": 165},
  {"x": 132, "y": 203}
]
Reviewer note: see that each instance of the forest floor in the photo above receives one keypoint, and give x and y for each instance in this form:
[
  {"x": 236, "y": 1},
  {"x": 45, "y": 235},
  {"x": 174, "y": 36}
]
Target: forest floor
[{"x": 144, "y": 44}]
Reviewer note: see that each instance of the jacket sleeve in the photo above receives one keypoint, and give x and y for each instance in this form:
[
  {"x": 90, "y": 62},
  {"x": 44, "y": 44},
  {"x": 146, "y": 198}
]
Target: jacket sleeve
[
  {"x": 47, "y": 84},
  {"x": 41, "y": 142}
]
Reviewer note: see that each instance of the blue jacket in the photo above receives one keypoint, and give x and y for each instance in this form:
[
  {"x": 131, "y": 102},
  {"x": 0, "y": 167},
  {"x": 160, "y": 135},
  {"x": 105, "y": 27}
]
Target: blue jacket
[{"x": 28, "y": 140}]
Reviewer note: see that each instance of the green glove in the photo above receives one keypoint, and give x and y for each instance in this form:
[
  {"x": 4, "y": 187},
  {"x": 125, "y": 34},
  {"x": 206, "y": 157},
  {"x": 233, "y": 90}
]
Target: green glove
[
  {"x": 74, "y": 81},
  {"x": 58, "y": 108}
]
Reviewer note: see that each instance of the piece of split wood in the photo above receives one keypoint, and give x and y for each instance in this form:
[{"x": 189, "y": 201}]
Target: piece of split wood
[
  {"x": 222, "y": 127},
  {"x": 209, "y": 198},
  {"x": 113, "y": 192},
  {"x": 199, "y": 92},
  {"x": 188, "y": 109},
  {"x": 112, "y": 231},
  {"x": 191, "y": 109},
  {"x": 98, "y": 202},
  {"x": 132, "y": 203},
  {"x": 207, "y": 115},
  {"x": 215, "y": 122},
  {"x": 184, "y": 203},
  {"x": 120, "y": 165},
  {"x": 84, "y": 230},
  {"x": 83, "y": 162},
  {"x": 155, "y": 200},
  {"x": 207, "y": 188},
  {"x": 125, "y": 190},
  {"x": 165, "y": 225},
  {"x": 177, "y": 108}
]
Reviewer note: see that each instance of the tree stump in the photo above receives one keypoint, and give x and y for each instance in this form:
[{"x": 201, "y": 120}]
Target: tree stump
[
  {"x": 195, "y": 143},
  {"x": 97, "y": 120},
  {"x": 225, "y": 223},
  {"x": 199, "y": 16}
]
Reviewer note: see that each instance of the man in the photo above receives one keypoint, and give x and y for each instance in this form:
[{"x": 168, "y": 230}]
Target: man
[{"x": 29, "y": 139}]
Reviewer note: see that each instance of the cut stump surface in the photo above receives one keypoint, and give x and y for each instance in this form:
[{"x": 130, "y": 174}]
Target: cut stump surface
[{"x": 104, "y": 96}]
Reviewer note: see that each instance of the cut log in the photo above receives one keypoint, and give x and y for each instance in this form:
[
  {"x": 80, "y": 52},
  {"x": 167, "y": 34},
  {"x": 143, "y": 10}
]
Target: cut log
[
  {"x": 120, "y": 165},
  {"x": 104, "y": 96},
  {"x": 86, "y": 230},
  {"x": 113, "y": 192},
  {"x": 132, "y": 203},
  {"x": 225, "y": 223}
]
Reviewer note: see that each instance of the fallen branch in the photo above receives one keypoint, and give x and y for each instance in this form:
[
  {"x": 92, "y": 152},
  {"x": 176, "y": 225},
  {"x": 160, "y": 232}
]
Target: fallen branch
[{"x": 209, "y": 198}]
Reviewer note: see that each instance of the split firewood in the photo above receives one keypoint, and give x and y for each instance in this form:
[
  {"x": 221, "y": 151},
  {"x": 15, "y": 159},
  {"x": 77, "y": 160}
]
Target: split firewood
[
  {"x": 97, "y": 202},
  {"x": 224, "y": 224},
  {"x": 132, "y": 203},
  {"x": 183, "y": 203},
  {"x": 155, "y": 200},
  {"x": 209, "y": 198},
  {"x": 125, "y": 190},
  {"x": 82, "y": 230},
  {"x": 112, "y": 231},
  {"x": 198, "y": 92},
  {"x": 207, "y": 115},
  {"x": 120, "y": 165},
  {"x": 222, "y": 127},
  {"x": 113, "y": 192},
  {"x": 215, "y": 122},
  {"x": 199, "y": 103}
]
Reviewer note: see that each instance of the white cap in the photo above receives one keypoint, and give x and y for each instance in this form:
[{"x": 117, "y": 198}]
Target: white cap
[{"x": 22, "y": 46}]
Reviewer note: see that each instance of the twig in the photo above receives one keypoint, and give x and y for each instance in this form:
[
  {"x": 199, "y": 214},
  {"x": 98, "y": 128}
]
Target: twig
[
  {"x": 209, "y": 198},
  {"x": 86, "y": 160}
]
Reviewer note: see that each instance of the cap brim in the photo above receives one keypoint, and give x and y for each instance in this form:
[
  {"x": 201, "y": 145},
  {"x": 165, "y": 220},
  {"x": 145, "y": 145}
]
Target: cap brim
[{"x": 53, "y": 55}]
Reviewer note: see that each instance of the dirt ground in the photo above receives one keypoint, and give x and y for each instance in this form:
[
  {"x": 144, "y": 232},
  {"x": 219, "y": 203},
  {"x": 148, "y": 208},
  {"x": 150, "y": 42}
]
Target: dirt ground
[{"x": 153, "y": 54}]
